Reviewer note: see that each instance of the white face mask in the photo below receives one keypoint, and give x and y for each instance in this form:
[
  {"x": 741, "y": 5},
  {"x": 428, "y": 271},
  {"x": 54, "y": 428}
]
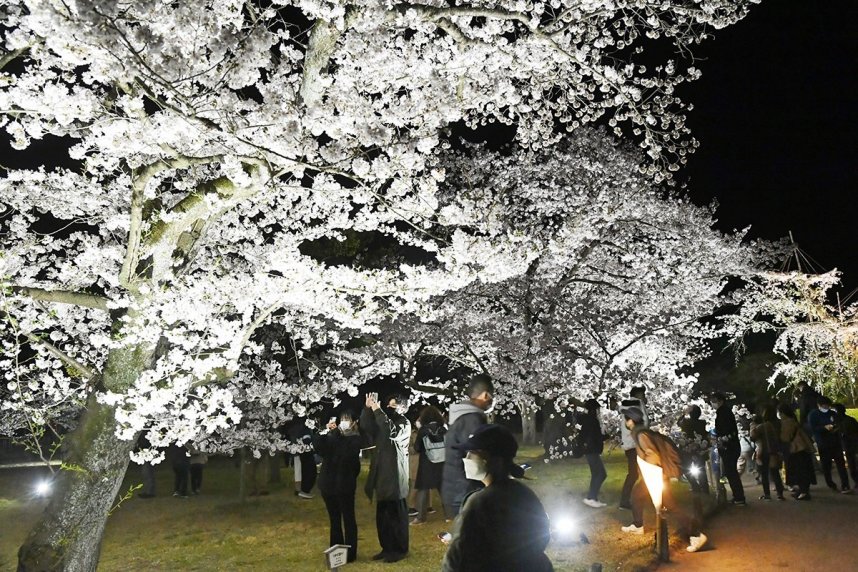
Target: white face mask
[
  {"x": 345, "y": 425},
  {"x": 824, "y": 409},
  {"x": 418, "y": 424},
  {"x": 475, "y": 468}
]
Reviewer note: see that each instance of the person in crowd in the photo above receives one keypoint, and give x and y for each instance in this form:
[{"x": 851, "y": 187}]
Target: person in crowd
[
  {"x": 849, "y": 439},
  {"x": 807, "y": 398},
  {"x": 147, "y": 471},
  {"x": 823, "y": 424},
  {"x": 637, "y": 398},
  {"x": 693, "y": 429},
  {"x": 390, "y": 431},
  {"x": 303, "y": 463},
  {"x": 593, "y": 440},
  {"x": 197, "y": 462},
  {"x": 727, "y": 434},
  {"x": 178, "y": 457},
  {"x": 799, "y": 459},
  {"x": 465, "y": 417},
  {"x": 766, "y": 433},
  {"x": 430, "y": 465},
  {"x": 655, "y": 449},
  {"x": 502, "y": 527},
  {"x": 340, "y": 449}
]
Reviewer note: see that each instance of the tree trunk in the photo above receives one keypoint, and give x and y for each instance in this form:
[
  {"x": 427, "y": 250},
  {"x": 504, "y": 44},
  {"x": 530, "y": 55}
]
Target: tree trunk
[
  {"x": 68, "y": 536},
  {"x": 528, "y": 423}
]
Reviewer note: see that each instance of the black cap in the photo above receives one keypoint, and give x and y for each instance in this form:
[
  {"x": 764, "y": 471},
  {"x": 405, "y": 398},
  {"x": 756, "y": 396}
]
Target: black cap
[
  {"x": 635, "y": 414},
  {"x": 496, "y": 440}
]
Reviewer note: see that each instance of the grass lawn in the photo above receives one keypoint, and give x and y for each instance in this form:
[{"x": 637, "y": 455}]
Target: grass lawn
[{"x": 214, "y": 531}]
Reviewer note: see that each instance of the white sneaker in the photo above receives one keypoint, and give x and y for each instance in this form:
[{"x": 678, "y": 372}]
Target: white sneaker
[
  {"x": 304, "y": 495},
  {"x": 696, "y": 543},
  {"x": 594, "y": 503},
  {"x": 632, "y": 529}
]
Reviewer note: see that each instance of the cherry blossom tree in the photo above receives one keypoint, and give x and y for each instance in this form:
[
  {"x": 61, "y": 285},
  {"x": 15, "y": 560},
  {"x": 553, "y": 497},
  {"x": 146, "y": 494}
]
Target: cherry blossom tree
[
  {"x": 210, "y": 142},
  {"x": 817, "y": 338},
  {"x": 620, "y": 290}
]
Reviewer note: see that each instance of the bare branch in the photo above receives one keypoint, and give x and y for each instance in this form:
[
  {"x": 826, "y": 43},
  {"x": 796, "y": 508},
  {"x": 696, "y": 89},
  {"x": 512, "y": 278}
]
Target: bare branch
[{"x": 62, "y": 297}]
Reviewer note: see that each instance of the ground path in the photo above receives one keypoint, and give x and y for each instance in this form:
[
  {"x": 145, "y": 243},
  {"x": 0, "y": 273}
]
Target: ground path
[{"x": 779, "y": 535}]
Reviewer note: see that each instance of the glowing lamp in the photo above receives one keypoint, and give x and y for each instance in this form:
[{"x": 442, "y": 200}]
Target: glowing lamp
[
  {"x": 565, "y": 527},
  {"x": 43, "y": 488},
  {"x": 694, "y": 470},
  {"x": 653, "y": 477}
]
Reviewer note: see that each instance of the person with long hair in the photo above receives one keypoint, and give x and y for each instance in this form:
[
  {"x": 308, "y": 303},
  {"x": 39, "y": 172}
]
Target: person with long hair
[
  {"x": 799, "y": 459},
  {"x": 429, "y": 446},
  {"x": 502, "y": 527},
  {"x": 766, "y": 433}
]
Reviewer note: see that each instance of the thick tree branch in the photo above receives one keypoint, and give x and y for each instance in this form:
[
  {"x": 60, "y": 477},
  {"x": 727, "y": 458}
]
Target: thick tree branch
[{"x": 62, "y": 297}]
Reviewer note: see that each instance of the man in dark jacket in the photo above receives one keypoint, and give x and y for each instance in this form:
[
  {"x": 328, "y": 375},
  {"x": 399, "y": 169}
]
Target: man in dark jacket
[
  {"x": 849, "y": 437},
  {"x": 390, "y": 432},
  {"x": 729, "y": 449},
  {"x": 826, "y": 433},
  {"x": 464, "y": 419}
]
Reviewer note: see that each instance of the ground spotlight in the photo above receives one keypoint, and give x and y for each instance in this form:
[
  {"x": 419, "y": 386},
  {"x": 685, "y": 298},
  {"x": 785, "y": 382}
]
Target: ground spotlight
[
  {"x": 694, "y": 470},
  {"x": 43, "y": 489},
  {"x": 567, "y": 530}
]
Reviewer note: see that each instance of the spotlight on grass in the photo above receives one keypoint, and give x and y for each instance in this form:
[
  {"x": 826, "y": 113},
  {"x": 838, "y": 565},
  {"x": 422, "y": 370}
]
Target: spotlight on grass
[
  {"x": 43, "y": 489},
  {"x": 567, "y": 530}
]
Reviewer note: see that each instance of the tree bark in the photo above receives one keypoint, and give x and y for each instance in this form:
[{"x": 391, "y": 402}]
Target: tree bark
[
  {"x": 528, "y": 423},
  {"x": 68, "y": 536}
]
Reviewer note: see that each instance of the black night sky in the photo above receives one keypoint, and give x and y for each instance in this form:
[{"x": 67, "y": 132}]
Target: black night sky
[{"x": 776, "y": 115}]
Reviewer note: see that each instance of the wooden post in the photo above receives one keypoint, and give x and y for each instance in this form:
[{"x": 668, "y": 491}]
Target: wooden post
[{"x": 662, "y": 545}]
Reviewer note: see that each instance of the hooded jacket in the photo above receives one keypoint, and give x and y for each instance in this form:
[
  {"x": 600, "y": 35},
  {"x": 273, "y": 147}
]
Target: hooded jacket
[{"x": 465, "y": 417}]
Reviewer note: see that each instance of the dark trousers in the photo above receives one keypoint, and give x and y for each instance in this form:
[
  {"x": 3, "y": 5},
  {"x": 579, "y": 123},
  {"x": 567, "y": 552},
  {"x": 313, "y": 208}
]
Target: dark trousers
[
  {"x": 148, "y": 470},
  {"x": 631, "y": 477},
  {"x": 766, "y": 472},
  {"x": 826, "y": 456},
  {"x": 391, "y": 521},
  {"x": 686, "y": 524},
  {"x": 851, "y": 453},
  {"x": 729, "y": 457},
  {"x": 422, "y": 499},
  {"x": 597, "y": 474},
  {"x": 341, "y": 512},
  {"x": 308, "y": 471},
  {"x": 180, "y": 477},
  {"x": 196, "y": 476}
]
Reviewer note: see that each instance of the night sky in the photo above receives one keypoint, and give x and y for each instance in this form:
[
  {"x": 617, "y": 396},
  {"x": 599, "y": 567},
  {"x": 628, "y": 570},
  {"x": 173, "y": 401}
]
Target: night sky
[{"x": 776, "y": 115}]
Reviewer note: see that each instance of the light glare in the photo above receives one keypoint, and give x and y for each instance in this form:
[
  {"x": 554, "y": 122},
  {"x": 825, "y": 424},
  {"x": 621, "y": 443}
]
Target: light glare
[{"x": 43, "y": 488}]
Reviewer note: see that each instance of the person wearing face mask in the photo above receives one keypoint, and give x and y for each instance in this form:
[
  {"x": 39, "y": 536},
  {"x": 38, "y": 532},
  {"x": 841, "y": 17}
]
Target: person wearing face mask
[
  {"x": 429, "y": 445},
  {"x": 340, "y": 449},
  {"x": 502, "y": 527},
  {"x": 729, "y": 449},
  {"x": 465, "y": 417},
  {"x": 390, "y": 431},
  {"x": 823, "y": 424}
]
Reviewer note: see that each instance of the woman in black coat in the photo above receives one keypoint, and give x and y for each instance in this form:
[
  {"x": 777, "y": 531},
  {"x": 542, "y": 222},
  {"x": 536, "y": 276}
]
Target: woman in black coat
[
  {"x": 340, "y": 451},
  {"x": 430, "y": 464}
]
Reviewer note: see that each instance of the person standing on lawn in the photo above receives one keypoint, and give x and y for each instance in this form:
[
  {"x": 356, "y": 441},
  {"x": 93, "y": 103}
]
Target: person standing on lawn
[
  {"x": 390, "y": 431},
  {"x": 502, "y": 527},
  {"x": 593, "y": 441},
  {"x": 823, "y": 424},
  {"x": 849, "y": 438},
  {"x": 727, "y": 432},
  {"x": 429, "y": 445},
  {"x": 637, "y": 398},
  {"x": 766, "y": 433},
  {"x": 198, "y": 462},
  {"x": 465, "y": 417},
  {"x": 340, "y": 451},
  {"x": 655, "y": 449},
  {"x": 799, "y": 462}
]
